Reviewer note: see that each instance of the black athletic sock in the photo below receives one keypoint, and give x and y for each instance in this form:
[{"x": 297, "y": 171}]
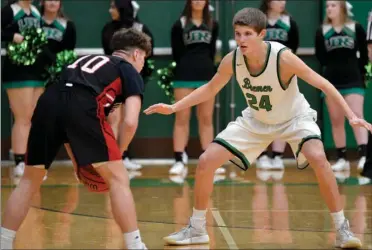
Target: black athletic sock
[
  {"x": 362, "y": 150},
  {"x": 125, "y": 155},
  {"x": 341, "y": 153},
  {"x": 262, "y": 154},
  {"x": 19, "y": 158},
  {"x": 275, "y": 153},
  {"x": 178, "y": 156}
]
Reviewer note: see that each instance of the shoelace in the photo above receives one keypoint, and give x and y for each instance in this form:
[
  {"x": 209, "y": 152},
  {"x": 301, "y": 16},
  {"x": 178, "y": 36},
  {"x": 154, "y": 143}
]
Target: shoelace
[
  {"x": 344, "y": 230},
  {"x": 183, "y": 230}
]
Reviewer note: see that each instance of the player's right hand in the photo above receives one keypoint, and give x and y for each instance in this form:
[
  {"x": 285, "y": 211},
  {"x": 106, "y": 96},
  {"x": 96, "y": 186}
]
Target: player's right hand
[
  {"x": 17, "y": 38},
  {"x": 159, "y": 108}
]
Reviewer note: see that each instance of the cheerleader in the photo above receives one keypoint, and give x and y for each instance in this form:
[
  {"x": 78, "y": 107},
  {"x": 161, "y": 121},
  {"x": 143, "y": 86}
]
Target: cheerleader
[
  {"x": 367, "y": 169},
  {"x": 60, "y": 31},
  {"x": 337, "y": 43},
  {"x": 124, "y": 15},
  {"x": 23, "y": 84},
  {"x": 193, "y": 41},
  {"x": 283, "y": 29}
]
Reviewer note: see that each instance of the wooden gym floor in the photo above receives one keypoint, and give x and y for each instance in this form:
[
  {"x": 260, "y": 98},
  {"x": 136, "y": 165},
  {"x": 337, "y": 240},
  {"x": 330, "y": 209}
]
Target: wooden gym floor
[{"x": 251, "y": 210}]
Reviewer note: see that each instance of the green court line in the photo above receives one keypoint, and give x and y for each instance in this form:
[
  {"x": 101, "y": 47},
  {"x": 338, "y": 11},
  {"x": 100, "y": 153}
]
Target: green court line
[{"x": 352, "y": 181}]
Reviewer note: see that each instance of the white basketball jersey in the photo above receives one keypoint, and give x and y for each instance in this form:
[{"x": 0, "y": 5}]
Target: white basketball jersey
[{"x": 269, "y": 100}]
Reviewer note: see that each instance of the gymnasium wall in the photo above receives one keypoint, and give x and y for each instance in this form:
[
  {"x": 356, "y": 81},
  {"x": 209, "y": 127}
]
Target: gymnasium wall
[{"x": 91, "y": 15}]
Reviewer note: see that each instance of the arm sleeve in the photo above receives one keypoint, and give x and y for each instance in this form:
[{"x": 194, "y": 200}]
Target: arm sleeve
[
  {"x": 177, "y": 44},
  {"x": 320, "y": 49},
  {"x": 69, "y": 38},
  {"x": 131, "y": 80},
  {"x": 7, "y": 33},
  {"x": 293, "y": 37},
  {"x": 362, "y": 47},
  {"x": 215, "y": 32}
]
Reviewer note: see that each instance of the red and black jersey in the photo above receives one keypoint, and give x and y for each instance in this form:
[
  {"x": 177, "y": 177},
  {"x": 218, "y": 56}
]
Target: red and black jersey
[{"x": 111, "y": 79}]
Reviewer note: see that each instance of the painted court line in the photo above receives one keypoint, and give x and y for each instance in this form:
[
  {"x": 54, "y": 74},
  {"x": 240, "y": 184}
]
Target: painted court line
[{"x": 224, "y": 230}]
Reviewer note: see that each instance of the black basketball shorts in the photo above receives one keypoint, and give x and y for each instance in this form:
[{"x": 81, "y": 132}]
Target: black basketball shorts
[{"x": 70, "y": 114}]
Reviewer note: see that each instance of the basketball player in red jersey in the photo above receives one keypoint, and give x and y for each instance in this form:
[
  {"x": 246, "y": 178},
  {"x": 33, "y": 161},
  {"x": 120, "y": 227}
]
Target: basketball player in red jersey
[{"x": 74, "y": 111}]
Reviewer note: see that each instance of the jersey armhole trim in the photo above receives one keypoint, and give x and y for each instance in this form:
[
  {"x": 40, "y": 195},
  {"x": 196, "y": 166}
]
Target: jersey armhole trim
[
  {"x": 234, "y": 65},
  {"x": 283, "y": 85}
]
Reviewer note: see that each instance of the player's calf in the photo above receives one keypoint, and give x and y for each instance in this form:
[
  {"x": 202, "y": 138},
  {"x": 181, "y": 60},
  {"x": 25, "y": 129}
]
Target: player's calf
[
  {"x": 19, "y": 203},
  {"x": 122, "y": 203},
  {"x": 314, "y": 153}
]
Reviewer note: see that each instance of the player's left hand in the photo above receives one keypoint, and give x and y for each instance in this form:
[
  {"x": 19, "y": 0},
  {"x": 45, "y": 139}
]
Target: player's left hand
[
  {"x": 159, "y": 108},
  {"x": 358, "y": 122}
]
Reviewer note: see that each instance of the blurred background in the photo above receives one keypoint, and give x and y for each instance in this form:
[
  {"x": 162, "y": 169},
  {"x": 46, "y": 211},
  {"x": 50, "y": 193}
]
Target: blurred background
[{"x": 154, "y": 135}]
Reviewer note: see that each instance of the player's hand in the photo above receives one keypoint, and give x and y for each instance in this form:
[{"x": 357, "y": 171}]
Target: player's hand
[
  {"x": 17, "y": 38},
  {"x": 159, "y": 108},
  {"x": 357, "y": 122}
]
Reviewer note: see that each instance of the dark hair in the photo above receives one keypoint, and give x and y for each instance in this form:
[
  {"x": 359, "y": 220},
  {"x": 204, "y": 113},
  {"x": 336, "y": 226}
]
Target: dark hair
[
  {"x": 251, "y": 17},
  {"x": 60, "y": 12},
  {"x": 265, "y": 7},
  {"x": 128, "y": 39},
  {"x": 126, "y": 11},
  {"x": 187, "y": 12},
  {"x": 10, "y": 2}
]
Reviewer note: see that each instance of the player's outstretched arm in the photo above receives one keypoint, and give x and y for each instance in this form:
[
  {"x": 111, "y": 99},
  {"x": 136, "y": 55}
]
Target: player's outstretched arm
[
  {"x": 202, "y": 94},
  {"x": 132, "y": 109},
  {"x": 293, "y": 64}
]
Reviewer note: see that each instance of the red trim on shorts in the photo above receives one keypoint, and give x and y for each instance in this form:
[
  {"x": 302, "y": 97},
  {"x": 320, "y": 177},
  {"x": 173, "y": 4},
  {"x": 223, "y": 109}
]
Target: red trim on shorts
[{"x": 111, "y": 91}]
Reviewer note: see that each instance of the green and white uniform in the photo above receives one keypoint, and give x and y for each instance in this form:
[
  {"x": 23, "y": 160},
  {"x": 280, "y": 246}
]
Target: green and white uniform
[
  {"x": 14, "y": 20},
  {"x": 276, "y": 110}
]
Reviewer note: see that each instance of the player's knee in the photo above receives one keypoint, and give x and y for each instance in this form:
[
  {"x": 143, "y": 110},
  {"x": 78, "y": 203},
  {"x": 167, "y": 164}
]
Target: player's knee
[
  {"x": 317, "y": 158},
  {"x": 203, "y": 162}
]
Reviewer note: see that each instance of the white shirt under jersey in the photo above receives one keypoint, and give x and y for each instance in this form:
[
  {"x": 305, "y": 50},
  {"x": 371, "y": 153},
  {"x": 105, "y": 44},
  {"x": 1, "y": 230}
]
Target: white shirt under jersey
[{"x": 269, "y": 100}]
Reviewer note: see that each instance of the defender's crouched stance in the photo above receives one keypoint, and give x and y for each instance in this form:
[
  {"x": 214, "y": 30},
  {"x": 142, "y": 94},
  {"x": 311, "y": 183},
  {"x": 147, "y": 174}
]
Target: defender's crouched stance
[{"x": 267, "y": 74}]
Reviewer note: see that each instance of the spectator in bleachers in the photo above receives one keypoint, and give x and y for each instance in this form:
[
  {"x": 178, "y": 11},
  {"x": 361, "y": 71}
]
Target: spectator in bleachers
[
  {"x": 193, "y": 41},
  {"x": 367, "y": 169},
  {"x": 283, "y": 29},
  {"x": 123, "y": 15},
  {"x": 337, "y": 43},
  {"x": 23, "y": 84}
]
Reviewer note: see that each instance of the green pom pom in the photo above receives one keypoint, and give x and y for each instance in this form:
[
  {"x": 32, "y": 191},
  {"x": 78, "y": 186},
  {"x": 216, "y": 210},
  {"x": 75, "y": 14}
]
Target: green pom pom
[
  {"x": 63, "y": 58},
  {"x": 26, "y": 52},
  {"x": 164, "y": 80},
  {"x": 368, "y": 68}
]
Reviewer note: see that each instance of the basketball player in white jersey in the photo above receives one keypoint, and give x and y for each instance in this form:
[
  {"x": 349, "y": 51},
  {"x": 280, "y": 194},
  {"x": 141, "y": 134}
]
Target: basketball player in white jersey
[{"x": 267, "y": 75}]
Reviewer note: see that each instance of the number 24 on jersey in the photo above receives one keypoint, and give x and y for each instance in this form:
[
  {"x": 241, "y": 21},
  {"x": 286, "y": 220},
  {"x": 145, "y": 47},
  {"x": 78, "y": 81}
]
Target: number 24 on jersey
[{"x": 263, "y": 104}]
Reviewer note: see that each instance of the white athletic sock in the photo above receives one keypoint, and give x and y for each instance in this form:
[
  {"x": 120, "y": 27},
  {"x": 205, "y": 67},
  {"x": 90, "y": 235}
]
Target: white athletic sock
[
  {"x": 198, "y": 218},
  {"x": 338, "y": 219},
  {"x": 198, "y": 214},
  {"x": 7, "y": 238},
  {"x": 133, "y": 240}
]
